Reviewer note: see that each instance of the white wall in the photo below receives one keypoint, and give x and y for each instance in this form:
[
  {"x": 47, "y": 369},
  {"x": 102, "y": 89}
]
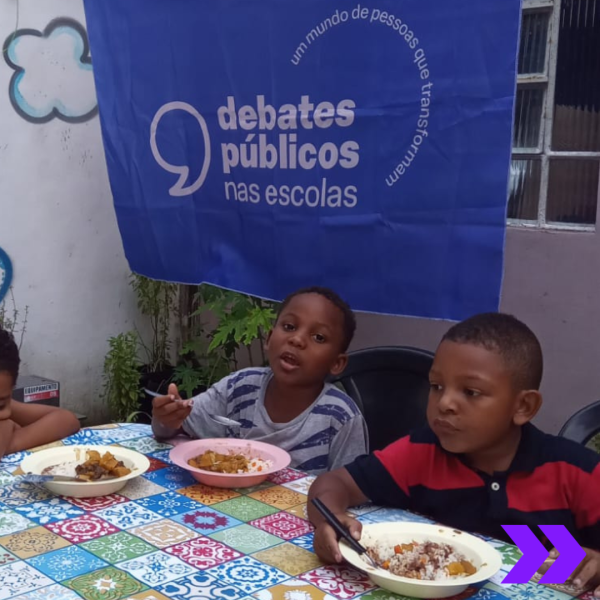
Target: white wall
[
  {"x": 58, "y": 225},
  {"x": 59, "y": 228}
]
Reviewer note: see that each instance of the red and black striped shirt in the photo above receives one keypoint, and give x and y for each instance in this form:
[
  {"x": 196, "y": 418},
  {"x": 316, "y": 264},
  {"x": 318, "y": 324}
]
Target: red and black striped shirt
[{"x": 551, "y": 481}]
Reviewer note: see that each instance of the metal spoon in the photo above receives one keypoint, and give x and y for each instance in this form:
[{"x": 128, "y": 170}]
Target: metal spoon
[
  {"x": 153, "y": 394},
  {"x": 32, "y": 478},
  {"x": 216, "y": 418},
  {"x": 224, "y": 420}
]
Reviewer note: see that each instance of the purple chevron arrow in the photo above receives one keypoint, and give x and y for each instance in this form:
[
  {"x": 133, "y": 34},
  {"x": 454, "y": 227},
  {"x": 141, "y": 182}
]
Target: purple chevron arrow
[
  {"x": 571, "y": 554},
  {"x": 534, "y": 554}
]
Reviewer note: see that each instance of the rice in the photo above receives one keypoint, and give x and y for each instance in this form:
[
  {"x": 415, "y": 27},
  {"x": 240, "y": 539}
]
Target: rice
[
  {"x": 258, "y": 465},
  {"x": 66, "y": 469},
  {"x": 429, "y": 561}
]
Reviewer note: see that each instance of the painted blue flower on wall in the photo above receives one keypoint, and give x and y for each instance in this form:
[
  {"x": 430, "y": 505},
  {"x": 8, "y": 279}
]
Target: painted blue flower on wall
[
  {"x": 53, "y": 75},
  {"x": 5, "y": 274}
]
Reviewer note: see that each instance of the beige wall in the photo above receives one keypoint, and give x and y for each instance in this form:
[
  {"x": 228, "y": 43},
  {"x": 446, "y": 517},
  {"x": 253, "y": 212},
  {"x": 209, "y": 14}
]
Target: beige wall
[{"x": 552, "y": 282}]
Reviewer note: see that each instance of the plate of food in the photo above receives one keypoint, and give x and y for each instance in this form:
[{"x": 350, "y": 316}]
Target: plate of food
[
  {"x": 229, "y": 463},
  {"x": 423, "y": 561},
  {"x": 99, "y": 470}
]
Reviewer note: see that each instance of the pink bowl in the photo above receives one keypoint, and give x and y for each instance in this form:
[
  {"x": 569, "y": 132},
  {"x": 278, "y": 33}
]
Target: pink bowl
[{"x": 183, "y": 452}]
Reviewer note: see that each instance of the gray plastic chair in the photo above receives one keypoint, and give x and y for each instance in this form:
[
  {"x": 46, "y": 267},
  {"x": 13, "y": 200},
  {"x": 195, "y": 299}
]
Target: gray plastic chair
[
  {"x": 390, "y": 385},
  {"x": 584, "y": 425}
]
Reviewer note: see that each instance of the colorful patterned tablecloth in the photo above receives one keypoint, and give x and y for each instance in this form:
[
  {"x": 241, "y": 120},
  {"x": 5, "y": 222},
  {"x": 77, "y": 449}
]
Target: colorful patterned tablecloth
[{"x": 164, "y": 536}]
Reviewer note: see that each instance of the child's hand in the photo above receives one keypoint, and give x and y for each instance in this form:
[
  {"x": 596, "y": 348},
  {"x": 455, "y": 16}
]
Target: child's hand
[
  {"x": 171, "y": 411},
  {"x": 586, "y": 575},
  {"x": 325, "y": 541}
]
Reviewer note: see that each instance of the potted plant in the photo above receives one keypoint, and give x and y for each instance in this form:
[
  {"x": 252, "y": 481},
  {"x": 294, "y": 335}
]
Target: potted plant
[
  {"x": 121, "y": 374},
  {"x": 156, "y": 301},
  {"x": 242, "y": 322},
  {"x": 207, "y": 354}
]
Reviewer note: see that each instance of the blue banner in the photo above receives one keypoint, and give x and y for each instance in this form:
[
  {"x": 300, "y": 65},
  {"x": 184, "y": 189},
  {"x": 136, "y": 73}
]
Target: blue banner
[{"x": 266, "y": 145}]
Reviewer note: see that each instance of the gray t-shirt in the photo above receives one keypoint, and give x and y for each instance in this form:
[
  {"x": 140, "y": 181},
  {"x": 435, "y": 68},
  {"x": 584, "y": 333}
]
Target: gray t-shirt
[{"x": 329, "y": 434}]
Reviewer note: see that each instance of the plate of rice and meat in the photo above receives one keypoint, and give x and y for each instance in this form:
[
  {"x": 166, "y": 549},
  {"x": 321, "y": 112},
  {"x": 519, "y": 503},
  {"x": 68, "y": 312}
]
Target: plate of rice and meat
[
  {"x": 423, "y": 561},
  {"x": 100, "y": 470},
  {"x": 228, "y": 462}
]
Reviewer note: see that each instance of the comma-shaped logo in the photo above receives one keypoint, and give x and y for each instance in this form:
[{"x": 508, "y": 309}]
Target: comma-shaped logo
[{"x": 181, "y": 187}]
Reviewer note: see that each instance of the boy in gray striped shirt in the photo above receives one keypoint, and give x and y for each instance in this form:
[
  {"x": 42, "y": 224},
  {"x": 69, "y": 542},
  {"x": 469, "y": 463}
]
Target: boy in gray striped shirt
[{"x": 287, "y": 404}]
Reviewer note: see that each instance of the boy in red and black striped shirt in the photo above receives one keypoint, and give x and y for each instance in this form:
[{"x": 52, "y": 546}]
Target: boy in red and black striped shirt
[{"x": 479, "y": 463}]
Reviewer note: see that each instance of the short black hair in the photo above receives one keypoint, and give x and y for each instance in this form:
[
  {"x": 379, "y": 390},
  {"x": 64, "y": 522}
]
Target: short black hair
[
  {"x": 9, "y": 355},
  {"x": 509, "y": 337},
  {"x": 348, "y": 318}
]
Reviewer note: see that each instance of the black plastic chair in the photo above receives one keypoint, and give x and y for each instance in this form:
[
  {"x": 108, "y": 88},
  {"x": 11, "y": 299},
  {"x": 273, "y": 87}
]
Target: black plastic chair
[
  {"x": 583, "y": 425},
  {"x": 390, "y": 384}
]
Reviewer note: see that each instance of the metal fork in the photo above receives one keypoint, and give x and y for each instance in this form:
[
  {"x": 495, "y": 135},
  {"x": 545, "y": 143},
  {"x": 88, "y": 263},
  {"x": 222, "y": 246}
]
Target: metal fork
[{"x": 216, "y": 418}]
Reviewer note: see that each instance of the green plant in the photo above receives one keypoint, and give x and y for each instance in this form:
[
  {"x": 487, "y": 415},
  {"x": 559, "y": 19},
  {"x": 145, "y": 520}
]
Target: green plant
[
  {"x": 594, "y": 443},
  {"x": 241, "y": 320},
  {"x": 189, "y": 378},
  {"x": 10, "y": 318},
  {"x": 198, "y": 368},
  {"x": 156, "y": 300},
  {"x": 132, "y": 417},
  {"x": 122, "y": 376},
  {"x": 211, "y": 353}
]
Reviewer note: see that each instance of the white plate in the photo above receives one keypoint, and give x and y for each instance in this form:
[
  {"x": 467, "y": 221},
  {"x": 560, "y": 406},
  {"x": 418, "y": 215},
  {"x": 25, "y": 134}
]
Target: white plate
[
  {"x": 37, "y": 461},
  {"x": 484, "y": 557}
]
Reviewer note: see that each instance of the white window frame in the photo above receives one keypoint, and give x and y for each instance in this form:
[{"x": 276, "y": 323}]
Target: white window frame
[{"x": 545, "y": 153}]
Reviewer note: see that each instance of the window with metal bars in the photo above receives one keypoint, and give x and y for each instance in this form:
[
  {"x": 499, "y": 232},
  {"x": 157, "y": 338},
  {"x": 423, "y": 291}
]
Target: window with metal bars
[{"x": 554, "y": 179}]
